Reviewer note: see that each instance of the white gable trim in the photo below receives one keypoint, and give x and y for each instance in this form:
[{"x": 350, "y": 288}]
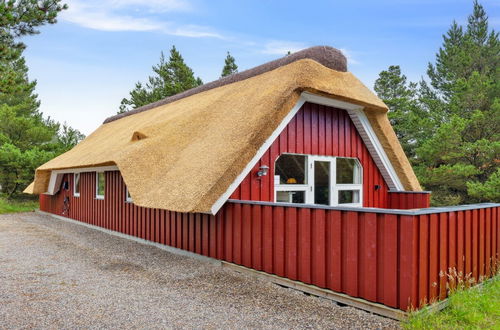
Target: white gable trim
[
  {"x": 375, "y": 148},
  {"x": 313, "y": 98},
  {"x": 56, "y": 176},
  {"x": 360, "y": 122},
  {"x": 222, "y": 199}
]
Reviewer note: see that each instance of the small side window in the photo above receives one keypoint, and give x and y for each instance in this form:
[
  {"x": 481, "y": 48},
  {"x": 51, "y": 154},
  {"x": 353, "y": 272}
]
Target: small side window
[
  {"x": 349, "y": 197},
  {"x": 291, "y": 169},
  {"x": 348, "y": 171},
  {"x": 290, "y": 178},
  {"x": 76, "y": 185},
  {"x": 100, "y": 185},
  {"x": 349, "y": 185},
  {"x": 128, "y": 198}
]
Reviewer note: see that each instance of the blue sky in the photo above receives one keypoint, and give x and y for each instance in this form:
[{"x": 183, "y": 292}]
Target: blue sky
[{"x": 91, "y": 59}]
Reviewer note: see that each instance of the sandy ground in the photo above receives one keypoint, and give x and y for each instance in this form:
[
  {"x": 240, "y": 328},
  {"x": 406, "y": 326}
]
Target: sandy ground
[{"x": 55, "y": 274}]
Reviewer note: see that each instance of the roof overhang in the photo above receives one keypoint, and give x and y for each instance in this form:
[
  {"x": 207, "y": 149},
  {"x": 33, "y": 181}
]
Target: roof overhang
[
  {"x": 362, "y": 124},
  {"x": 356, "y": 113},
  {"x": 57, "y": 175}
]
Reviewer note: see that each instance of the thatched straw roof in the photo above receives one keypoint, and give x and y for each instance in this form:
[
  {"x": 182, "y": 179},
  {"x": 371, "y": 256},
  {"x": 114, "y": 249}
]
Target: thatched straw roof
[{"x": 182, "y": 153}]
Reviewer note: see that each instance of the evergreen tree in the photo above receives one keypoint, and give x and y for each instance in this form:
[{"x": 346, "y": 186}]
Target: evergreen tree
[
  {"x": 19, "y": 19},
  {"x": 454, "y": 122},
  {"x": 27, "y": 139},
  {"x": 467, "y": 65},
  {"x": 68, "y": 137},
  {"x": 466, "y": 147},
  {"x": 406, "y": 115},
  {"x": 230, "y": 66},
  {"x": 170, "y": 77}
]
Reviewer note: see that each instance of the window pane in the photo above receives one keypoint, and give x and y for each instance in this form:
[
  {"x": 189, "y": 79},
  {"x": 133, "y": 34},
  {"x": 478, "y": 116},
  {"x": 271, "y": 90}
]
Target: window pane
[
  {"x": 348, "y": 196},
  {"x": 100, "y": 184},
  {"x": 348, "y": 171},
  {"x": 77, "y": 183},
  {"x": 322, "y": 183},
  {"x": 290, "y": 196},
  {"x": 291, "y": 169}
]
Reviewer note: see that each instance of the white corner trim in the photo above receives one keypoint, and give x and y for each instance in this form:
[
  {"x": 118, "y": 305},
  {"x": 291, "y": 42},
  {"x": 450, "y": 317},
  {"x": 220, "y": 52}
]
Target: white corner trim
[
  {"x": 56, "y": 175},
  {"x": 360, "y": 122},
  {"x": 54, "y": 183}
]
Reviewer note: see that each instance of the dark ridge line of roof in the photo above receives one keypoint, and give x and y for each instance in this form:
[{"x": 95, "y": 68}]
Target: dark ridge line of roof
[{"x": 325, "y": 55}]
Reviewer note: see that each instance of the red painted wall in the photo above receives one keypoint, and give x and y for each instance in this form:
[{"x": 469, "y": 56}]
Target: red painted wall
[
  {"x": 409, "y": 200},
  {"x": 317, "y": 130},
  {"x": 387, "y": 258}
]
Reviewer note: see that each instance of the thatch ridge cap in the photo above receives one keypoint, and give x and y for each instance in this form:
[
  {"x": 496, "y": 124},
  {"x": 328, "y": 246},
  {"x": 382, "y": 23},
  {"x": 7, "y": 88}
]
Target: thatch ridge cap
[{"x": 325, "y": 55}]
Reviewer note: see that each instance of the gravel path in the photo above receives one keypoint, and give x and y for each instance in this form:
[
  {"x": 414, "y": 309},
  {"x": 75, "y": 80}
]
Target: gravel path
[{"x": 55, "y": 274}]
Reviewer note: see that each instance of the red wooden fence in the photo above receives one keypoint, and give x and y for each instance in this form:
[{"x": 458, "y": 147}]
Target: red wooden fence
[{"x": 393, "y": 257}]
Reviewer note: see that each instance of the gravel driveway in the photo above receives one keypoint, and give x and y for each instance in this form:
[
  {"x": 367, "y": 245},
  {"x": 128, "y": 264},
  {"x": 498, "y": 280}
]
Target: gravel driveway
[{"x": 55, "y": 274}]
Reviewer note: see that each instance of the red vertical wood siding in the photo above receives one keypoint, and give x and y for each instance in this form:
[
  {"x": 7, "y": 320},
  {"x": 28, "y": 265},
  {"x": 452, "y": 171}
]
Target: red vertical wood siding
[
  {"x": 316, "y": 130},
  {"x": 394, "y": 259},
  {"x": 405, "y": 200}
]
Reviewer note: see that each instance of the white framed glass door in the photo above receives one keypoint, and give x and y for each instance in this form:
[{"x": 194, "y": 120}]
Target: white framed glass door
[{"x": 321, "y": 173}]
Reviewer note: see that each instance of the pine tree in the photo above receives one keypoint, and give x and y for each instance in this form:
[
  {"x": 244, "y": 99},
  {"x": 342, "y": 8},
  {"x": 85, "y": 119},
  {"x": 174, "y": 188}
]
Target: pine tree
[
  {"x": 19, "y": 19},
  {"x": 406, "y": 115},
  {"x": 458, "y": 114},
  {"x": 170, "y": 77},
  {"x": 467, "y": 63},
  {"x": 27, "y": 139},
  {"x": 461, "y": 159},
  {"x": 230, "y": 66}
]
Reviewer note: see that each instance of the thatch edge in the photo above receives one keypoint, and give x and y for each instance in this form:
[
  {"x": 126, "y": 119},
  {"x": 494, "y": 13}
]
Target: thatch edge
[
  {"x": 325, "y": 55},
  {"x": 392, "y": 147}
]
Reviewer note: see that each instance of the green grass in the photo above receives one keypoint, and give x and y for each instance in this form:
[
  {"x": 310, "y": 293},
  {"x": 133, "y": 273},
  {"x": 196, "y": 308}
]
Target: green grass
[
  {"x": 474, "y": 308},
  {"x": 13, "y": 206}
]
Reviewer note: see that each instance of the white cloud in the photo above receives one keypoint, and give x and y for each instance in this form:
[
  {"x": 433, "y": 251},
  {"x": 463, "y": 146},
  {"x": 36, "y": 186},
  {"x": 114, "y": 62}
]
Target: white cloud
[
  {"x": 133, "y": 15},
  {"x": 348, "y": 54},
  {"x": 136, "y": 5},
  {"x": 153, "y": 5},
  {"x": 277, "y": 47},
  {"x": 193, "y": 31}
]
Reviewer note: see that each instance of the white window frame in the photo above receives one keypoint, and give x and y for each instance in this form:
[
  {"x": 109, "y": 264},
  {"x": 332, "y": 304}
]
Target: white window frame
[
  {"x": 310, "y": 165},
  {"x": 337, "y": 187},
  {"x": 76, "y": 178},
  {"x": 128, "y": 198},
  {"x": 334, "y": 187},
  {"x": 294, "y": 187},
  {"x": 97, "y": 196}
]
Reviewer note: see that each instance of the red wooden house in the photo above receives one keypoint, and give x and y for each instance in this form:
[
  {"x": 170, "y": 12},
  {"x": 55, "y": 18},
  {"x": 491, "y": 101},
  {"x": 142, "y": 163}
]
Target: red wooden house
[{"x": 290, "y": 168}]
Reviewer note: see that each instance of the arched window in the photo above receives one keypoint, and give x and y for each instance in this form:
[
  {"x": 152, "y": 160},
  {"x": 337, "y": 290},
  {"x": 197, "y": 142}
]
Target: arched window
[{"x": 321, "y": 180}]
